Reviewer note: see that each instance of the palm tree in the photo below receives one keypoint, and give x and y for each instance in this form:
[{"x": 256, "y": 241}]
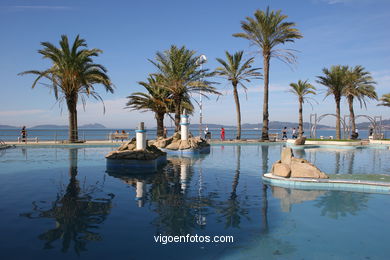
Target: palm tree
[
  {"x": 72, "y": 75},
  {"x": 385, "y": 99},
  {"x": 181, "y": 75},
  {"x": 301, "y": 90},
  {"x": 156, "y": 100},
  {"x": 237, "y": 71},
  {"x": 360, "y": 85},
  {"x": 267, "y": 30},
  {"x": 335, "y": 80}
]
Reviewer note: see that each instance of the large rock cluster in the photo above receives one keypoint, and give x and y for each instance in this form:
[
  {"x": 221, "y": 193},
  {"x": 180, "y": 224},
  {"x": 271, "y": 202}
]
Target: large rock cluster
[
  {"x": 291, "y": 167},
  {"x": 175, "y": 143},
  {"x": 128, "y": 151}
]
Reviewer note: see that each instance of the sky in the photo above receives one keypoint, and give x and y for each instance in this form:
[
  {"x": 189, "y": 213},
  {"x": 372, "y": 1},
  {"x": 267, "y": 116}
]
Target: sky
[{"x": 345, "y": 32}]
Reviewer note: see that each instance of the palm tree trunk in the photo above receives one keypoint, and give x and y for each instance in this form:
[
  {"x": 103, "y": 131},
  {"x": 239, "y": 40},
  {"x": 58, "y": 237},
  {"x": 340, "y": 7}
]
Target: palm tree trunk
[
  {"x": 177, "y": 115},
  {"x": 351, "y": 113},
  {"x": 338, "y": 128},
  {"x": 300, "y": 133},
  {"x": 160, "y": 124},
  {"x": 238, "y": 111},
  {"x": 264, "y": 131},
  {"x": 72, "y": 119}
]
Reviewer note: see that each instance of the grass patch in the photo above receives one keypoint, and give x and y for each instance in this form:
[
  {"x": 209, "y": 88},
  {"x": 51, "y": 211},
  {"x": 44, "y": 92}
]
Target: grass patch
[
  {"x": 362, "y": 177},
  {"x": 332, "y": 140}
]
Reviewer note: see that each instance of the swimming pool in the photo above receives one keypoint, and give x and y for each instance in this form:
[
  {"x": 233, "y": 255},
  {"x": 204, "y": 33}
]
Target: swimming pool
[{"x": 61, "y": 203}]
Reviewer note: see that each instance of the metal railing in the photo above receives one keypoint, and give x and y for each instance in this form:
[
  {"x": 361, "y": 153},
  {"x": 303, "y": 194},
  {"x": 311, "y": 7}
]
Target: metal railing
[{"x": 59, "y": 135}]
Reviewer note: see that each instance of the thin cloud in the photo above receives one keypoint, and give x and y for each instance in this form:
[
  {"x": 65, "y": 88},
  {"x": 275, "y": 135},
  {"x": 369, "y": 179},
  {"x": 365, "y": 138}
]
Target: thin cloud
[
  {"x": 39, "y": 7},
  {"x": 21, "y": 112}
]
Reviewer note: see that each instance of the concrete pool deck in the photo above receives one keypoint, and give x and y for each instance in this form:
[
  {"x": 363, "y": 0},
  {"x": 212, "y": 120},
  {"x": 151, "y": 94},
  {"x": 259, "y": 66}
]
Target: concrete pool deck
[{"x": 328, "y": 184}]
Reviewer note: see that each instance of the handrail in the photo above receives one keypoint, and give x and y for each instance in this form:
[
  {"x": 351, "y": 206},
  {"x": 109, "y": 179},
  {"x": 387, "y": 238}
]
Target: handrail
[{"x": 58, "y": 135}]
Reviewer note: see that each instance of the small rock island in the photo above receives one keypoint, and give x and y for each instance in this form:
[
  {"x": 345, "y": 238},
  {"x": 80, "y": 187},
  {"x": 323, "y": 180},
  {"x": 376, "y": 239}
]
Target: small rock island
[
  {"x": 183, "y": 142},
  {"x": 136, "y": 155},
  {"x": 292, "y": 167}
]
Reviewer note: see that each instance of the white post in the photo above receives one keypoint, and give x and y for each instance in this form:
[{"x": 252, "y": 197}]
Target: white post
[
  {"x": 139, "y": 192},
  {"x": 140, "y": 135},
  {"x": 184, "y": 125}
]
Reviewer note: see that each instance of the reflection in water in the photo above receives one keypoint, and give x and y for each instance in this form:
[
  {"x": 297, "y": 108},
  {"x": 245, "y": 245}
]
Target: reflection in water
[
  {"x": 264, "y": 208},
  {"x": 288, "y": 197},
  {"x": 234, "y": 209},
  {"x": 76, "y": 212},
  {"x": 337, "y": 204},
  {"x": 337, "y": 154}
]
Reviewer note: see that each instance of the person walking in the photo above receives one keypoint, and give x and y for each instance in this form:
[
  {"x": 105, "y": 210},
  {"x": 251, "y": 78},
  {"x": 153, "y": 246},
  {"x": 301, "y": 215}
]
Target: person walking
[
  {"x": 294, "y": 133},
  {"x": 222, "y": 134},
  {"x": 284, "y": 133}
]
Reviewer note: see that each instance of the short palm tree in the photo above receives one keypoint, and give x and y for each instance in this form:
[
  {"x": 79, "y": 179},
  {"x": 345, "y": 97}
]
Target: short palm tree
[
  {"x": 267, "y": 30},
  {"x": 237, "y": 71},
  {"x": 181, "y": 75},
  {"x": 156, "y": 100},
  {"x": 72, "y": 75},
  {"x": 335, "y": 80},
  {"x": 360, "y": 85},
  {"x": 301, "y": 90},
  {"x": 385, "y": 99}
]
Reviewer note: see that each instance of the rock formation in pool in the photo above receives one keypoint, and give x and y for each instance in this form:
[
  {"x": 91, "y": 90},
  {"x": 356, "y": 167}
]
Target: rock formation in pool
[
  {"x": 291, "y": 167},
  {"x": 183, "y": 140},
  {"x": 175, "y": 142},
  {"x": 128, "y": 151}
]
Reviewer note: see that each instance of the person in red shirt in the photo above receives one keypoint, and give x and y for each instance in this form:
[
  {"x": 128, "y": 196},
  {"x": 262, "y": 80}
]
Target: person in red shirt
[{"x": 222, "y": 134}]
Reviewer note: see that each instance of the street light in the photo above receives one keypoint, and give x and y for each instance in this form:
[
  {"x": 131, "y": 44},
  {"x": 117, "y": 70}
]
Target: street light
[{"x": 202, "y": 59}]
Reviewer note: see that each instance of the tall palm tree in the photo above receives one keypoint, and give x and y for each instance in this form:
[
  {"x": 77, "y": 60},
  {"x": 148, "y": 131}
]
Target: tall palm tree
[
  {"x": 360, "y": 85},
  {"x": 267, "y": 30},
  {"x": 181, "y": 75},
  {"x": 237, "y": 71},
  {"x": 156, "y": 100},
  {"x": 335, "y": 80},
  {"x": 385, "y": 99},
  {"x": 301, "y": 90},
  {"x": 72, "y": 75}
]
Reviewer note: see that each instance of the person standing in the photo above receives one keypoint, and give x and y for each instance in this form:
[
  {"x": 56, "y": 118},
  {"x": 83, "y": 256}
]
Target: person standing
[
  {"x": 24, "y": 134},
  {"x": 222, "y": 134},
  {"x": 165, "y": 132},
  {"x": 206, "y": 132},
  {"x": 284, "y": 133}
]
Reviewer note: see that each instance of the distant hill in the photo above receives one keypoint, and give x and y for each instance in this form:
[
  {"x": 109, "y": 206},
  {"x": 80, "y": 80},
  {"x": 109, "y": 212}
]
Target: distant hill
[
  {"x": 366, "y": 125},
  {"x": 87, "y": 126},
  {"x": 8, "y": 127},
  {"x": 272, "y": 125}
]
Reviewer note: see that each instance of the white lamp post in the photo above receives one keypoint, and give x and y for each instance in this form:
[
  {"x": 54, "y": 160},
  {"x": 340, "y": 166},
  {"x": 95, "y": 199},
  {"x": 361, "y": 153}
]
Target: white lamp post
[{"x": 202, "y": 59}]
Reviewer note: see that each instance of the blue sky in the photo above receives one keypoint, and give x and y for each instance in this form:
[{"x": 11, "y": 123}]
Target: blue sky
[{"x": 347, "y": 32}]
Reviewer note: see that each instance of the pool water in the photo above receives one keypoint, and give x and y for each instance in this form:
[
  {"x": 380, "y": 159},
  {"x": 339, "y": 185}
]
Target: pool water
[{"x": 60, "y": 203}]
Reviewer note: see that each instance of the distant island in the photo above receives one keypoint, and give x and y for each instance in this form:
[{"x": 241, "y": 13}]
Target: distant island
[{"x": 273, "y": 125}]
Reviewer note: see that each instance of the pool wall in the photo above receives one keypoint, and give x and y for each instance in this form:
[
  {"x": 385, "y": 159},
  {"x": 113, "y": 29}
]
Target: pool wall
[{"x": 327, "y": 184}]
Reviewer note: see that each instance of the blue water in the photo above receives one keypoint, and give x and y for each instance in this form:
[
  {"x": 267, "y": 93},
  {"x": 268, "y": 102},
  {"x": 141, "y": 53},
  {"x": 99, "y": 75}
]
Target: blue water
[{"x": 60, "y": 203}]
